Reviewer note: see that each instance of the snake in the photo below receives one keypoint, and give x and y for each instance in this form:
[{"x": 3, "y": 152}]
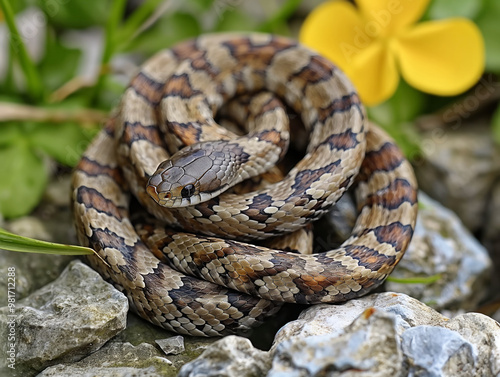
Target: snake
[{"x": 152, "y": 192}]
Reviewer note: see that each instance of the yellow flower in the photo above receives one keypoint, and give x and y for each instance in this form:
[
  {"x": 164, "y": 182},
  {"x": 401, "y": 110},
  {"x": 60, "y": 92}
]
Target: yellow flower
[{"x": 374, "y": 41}]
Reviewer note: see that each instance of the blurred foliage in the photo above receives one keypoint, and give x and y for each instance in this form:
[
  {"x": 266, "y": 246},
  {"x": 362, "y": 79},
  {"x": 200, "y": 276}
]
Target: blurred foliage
[{"x": 28, "y": 147}]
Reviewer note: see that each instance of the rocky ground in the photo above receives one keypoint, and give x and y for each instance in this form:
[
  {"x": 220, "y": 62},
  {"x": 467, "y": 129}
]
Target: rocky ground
[{"x": 68, "y": 321}]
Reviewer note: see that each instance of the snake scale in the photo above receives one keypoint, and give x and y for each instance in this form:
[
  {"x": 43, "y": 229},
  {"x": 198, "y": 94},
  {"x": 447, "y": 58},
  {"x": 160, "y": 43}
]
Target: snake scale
[{"x": 196, "y": 267}]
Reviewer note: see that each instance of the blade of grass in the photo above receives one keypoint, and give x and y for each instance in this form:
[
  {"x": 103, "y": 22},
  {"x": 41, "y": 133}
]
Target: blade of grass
[
  {"x": 110, "y": 44},
  {"x": 415, "y": 280},
  {"x": 132, "y": 24},
  {"x": 33, "y": 80},
  {"x": 13, "y": 242},
  {"x": 10, "y": 86}
]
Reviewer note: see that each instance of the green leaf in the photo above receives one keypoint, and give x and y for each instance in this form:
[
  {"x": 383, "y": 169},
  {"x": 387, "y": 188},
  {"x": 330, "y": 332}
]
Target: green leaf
[
  {"x": 13, "y": 242},
  {"x": 165, "y": 32},
  {"x": 54, "y": 74},
  {"x": 24, "y": 177},
  {"x": 495, "y": 125},
  {"x": 487, "y": 21},
  {"x": 10, "y": 135},
  {"x": 65, "y": 142},
  {"x": 440, "y": 9},
  {"x": 76, "y": 14}
]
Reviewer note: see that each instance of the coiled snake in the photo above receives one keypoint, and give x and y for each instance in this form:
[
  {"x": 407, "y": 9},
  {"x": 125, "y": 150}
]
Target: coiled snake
[{"x": 213, "y": 283}]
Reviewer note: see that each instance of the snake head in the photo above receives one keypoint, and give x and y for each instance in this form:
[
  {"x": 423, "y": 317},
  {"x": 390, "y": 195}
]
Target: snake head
[
  {"x": 171, "y": 186},
  {"x": 186, "y": 179}
]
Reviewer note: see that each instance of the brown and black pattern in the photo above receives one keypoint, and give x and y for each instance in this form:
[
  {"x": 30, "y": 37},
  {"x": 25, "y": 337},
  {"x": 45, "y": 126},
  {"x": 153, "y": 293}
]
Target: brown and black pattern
[
  {"x": 147, "y": 88},
  {"x": 143, "y": 279},
  {"x": 214, "y": 284}
]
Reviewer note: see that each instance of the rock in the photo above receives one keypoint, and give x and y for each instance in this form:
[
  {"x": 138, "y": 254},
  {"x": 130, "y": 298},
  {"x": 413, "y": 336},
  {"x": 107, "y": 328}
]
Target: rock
[
  {"x": 50, "y": 222},
  {"x": 29, "y": 226},
  {"x": 173, "y": 345},
  {"x": 65, "y": 320},
  {"x": 139, "y": 331},
  {"x": 467, "y": 345},
  {"x": 133, "y": 353},
  {"x": 491, "y": 234},
  {"x": 443, "y": 247},
  {"x": 229, "y": 356},
  {"x": 459, "y": 168},
  {"x": 369, "y": 346},
  {"x": 418, "y": 341},
  {"x": 117, "y": 359},
  {"x": 436, "y": 351},
  {"x": 58, "y": 191},
  {"x": 32, "y": 270},
  {"x": 334, "y": 319},
  {"x": 484, "y": 333}
]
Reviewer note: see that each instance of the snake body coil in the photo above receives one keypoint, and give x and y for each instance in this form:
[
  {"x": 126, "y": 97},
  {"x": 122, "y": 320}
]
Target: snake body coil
[{"x": 204, "y": 280}]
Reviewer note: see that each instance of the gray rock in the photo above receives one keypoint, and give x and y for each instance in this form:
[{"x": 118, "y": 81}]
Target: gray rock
[
  {"x": 430, "y": 344},
  {"x": 229, "y": 356},
  {"x": 139, "y": 331},
  {"x": 133, "y": 353},
  {"x": 442, "y": 246},
  {"x": 491, "y": 234},
  {"x": 50, "y": 222},
  {"x": 172, "y": 346},
  {"x": 459, "y": 168},
  {"x": 65, "y": 320},
  {"x": 436, "y": 351},
  {"x": 117, "y": 360},
  {"x": 368, "y": 347},
  {"x": 32, "y": 270},
  {"x": 334, "y": 319},
  {"x": 484, "y": 333}
]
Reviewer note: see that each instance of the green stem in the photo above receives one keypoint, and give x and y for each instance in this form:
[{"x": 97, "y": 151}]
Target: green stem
[
  {"x": 415, "y": 280},
  {"x": 116, "y": 15},
  {"x": 9, "y": 77},
  {"x": 285, "y": 11},
  {"x": 136, "y": 19},
  {"x": 33, "y": 80}
]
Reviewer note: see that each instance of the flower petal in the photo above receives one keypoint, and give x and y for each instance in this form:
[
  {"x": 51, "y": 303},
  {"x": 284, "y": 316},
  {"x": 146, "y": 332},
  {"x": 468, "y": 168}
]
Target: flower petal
[
  {"x": 333, "y": 29},
  {"x": 390, "y": 16},
  {"x": 441, "y": 57},
  {"x": 374, "y": 73}
]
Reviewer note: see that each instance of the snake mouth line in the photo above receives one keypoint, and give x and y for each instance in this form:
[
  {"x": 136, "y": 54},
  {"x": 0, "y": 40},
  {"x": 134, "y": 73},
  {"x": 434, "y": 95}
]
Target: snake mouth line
[{"x": 151, "y": 190}]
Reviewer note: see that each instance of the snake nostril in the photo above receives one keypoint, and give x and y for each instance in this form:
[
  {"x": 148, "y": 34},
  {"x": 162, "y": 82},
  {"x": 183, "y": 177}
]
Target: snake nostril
[{"x": 151, "y": 190}]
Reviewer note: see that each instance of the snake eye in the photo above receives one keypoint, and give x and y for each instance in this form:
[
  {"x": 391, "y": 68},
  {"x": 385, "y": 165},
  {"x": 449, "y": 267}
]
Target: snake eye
[{"x": 187, "y": 191}]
